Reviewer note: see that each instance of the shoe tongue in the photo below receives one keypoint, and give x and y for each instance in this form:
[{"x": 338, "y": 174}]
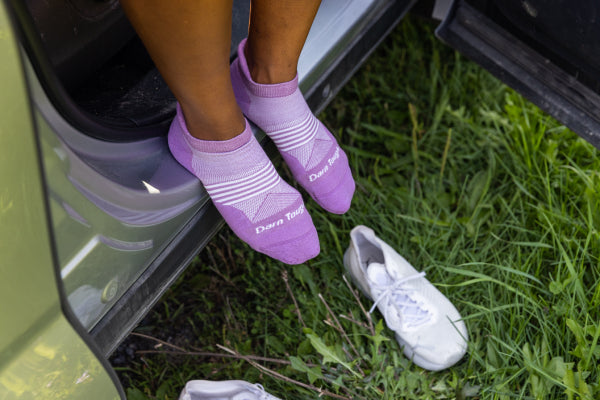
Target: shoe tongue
[
  {"x": 378, "y": 275},
  {"x": 380, "y": 280},
  {"x": 405, "y": 311},
  {"x": 396, "y": 265}
]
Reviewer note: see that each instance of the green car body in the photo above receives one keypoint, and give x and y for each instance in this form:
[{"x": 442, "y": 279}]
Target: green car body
[{"x": 42, "y": 356}]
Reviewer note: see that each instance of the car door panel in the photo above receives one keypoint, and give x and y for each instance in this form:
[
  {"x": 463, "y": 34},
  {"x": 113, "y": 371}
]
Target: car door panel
[{"x": 44, "y": 351}]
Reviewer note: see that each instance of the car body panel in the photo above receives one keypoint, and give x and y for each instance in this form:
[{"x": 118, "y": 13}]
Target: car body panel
[{"x": 41, "y": 353}]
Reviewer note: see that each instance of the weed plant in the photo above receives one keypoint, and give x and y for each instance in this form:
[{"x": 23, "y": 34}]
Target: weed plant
[{"x": 495, "y": 200}]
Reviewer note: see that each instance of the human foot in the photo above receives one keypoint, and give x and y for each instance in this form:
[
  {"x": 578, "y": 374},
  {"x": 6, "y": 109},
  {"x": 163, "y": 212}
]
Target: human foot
[
  {"x": 261, "y": 208},
  {"x": 310, "y": 150}
]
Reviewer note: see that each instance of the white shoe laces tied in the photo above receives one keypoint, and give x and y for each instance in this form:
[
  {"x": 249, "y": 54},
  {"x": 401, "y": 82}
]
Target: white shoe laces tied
[{"x": 398, "y": 287}]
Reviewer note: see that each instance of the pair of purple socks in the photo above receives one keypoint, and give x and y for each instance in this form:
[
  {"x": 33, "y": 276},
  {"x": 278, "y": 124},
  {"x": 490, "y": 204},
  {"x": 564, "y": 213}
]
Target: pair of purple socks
[{"x": 261, "y": 208}]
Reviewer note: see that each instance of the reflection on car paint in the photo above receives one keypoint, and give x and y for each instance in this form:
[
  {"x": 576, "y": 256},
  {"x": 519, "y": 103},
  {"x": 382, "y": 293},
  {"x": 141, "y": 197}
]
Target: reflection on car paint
[{"x": 108, "y": 226}]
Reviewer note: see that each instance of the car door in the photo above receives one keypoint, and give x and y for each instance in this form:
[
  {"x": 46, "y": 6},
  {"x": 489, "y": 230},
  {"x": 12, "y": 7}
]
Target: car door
[
  {"x": 548, "y": 50},
  {"x": 44, "y": 351}
]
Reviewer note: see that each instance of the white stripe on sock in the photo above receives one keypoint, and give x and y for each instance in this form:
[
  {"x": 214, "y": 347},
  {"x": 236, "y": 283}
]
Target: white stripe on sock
[
  {"x": 282, "y": 136},
  {"x": 301, "y": 131},
  {"x": 244, "y": 188},
  {"x": 249, "y": 196},
  {"x": 251, "y": 185},
  {"x": 258, "y": 173},
  {"x": 305, "y": 121},
  {"x": 303, "y": 140},
  {"x": 251, "y": 180},
  {"x": 300, "y": 138}
]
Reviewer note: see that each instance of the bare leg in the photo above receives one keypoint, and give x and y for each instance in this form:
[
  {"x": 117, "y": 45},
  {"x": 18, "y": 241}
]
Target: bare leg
[
  {"x": 277, "y": 32},
  {"x": 189, "y": 41}
]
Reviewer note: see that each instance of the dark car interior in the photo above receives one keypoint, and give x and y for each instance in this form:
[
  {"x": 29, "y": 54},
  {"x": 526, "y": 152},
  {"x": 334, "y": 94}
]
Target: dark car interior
[
  {"x": 96, "y": 70},
  {"x": 563, "y": 31},
  {"x": 546, "y": 50}
]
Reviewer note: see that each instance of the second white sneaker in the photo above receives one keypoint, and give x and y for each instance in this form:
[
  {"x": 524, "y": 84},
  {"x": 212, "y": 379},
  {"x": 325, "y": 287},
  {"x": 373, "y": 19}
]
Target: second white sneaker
[
  {"x": 224, "y": 390},
  {"x": 425, "y": 322}
]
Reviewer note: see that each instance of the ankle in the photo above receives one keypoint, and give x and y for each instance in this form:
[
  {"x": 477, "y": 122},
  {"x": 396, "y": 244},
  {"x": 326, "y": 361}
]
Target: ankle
[
  {"x": 213, "y": 125},
  {"x": 268, "y": 71}
]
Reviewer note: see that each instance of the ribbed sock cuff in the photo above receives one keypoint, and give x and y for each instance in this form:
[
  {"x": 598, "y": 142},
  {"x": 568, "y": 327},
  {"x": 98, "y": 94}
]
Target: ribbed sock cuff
[
  {"x": 259, "y": 89},
  {"x": 213, "y": 146}
]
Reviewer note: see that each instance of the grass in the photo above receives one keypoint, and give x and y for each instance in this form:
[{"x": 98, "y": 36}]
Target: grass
[{"x": 494, "y": 199}]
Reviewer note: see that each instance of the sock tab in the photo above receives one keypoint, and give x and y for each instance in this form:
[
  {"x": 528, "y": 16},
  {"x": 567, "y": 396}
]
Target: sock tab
[{"x": 213, "y": 146}]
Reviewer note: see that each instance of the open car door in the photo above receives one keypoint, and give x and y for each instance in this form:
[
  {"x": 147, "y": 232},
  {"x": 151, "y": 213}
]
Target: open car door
[
  {"x": 43, "y": 350},
  {"x": 548, "y": 50}
]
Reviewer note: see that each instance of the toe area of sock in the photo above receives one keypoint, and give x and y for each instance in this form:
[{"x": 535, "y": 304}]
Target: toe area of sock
[
  {"x": 297, "y": 250},
  {"x": 338, "y": 200}
]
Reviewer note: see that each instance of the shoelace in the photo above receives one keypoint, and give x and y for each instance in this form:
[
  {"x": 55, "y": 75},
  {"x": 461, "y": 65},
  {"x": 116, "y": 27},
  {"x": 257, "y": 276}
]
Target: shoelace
[
  {"x": 402, "y": 298},
  {"x": 262, "y": 393}
]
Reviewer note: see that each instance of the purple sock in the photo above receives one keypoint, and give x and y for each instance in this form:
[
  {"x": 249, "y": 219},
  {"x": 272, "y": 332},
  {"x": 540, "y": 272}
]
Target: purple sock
[
  {"x": 260, "y": 207},
  {"x": 310, "y": 150}
]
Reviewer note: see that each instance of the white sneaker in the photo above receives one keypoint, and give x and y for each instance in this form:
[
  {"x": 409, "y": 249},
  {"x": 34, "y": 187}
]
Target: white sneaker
[
  {"x": 426, "y": 323},
  {"x": 224, "y": 390}
]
